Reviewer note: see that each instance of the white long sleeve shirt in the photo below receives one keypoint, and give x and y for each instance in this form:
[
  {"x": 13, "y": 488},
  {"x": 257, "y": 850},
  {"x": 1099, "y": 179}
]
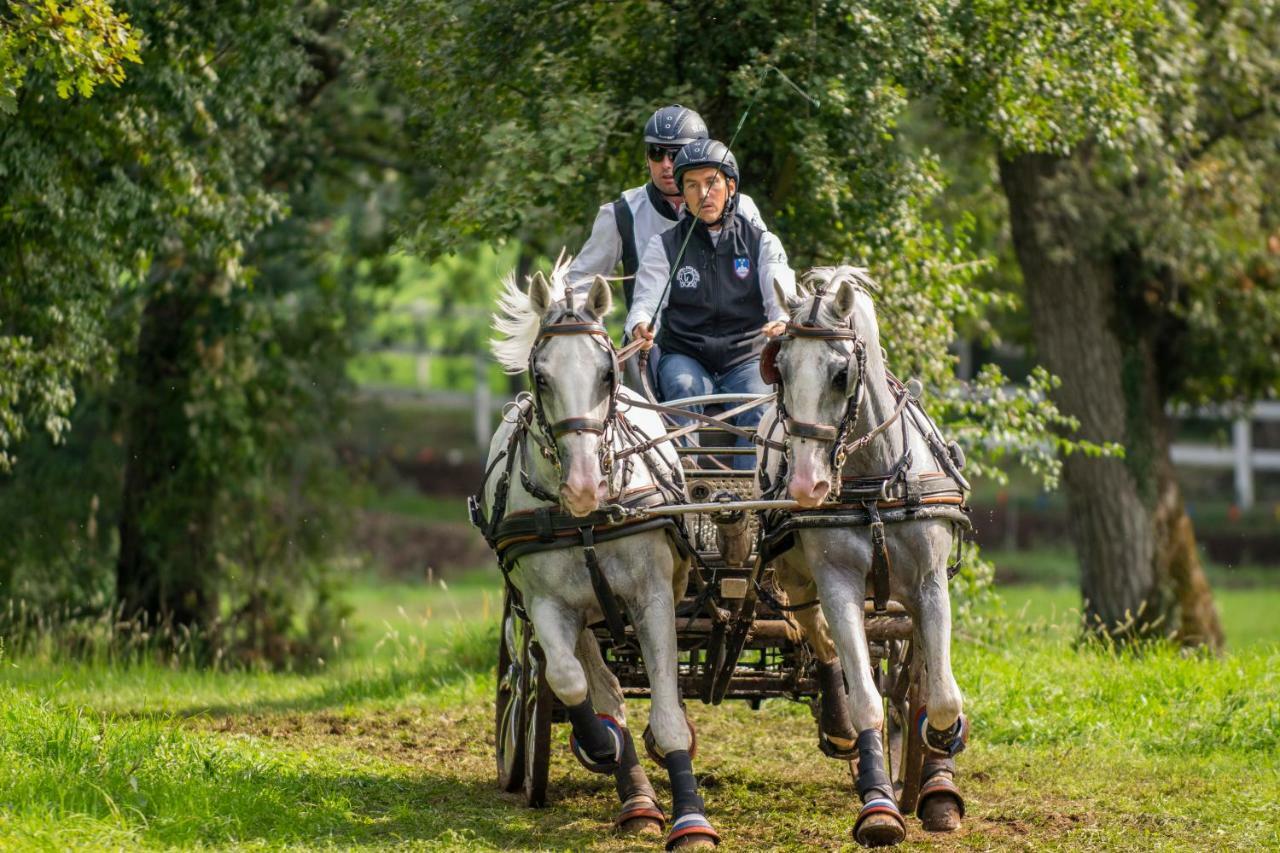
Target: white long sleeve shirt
[
  {"x": 602, "y": 252},
  {"x": 651, "y": 280}
]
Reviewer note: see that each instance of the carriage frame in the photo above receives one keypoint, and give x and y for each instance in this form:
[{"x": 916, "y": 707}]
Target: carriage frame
[{"x": 768, "y": 658}]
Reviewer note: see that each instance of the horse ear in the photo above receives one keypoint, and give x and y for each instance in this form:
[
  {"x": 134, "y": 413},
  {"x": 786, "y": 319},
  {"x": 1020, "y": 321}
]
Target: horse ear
[
  {"x": 790, "y": 301},
  {"x": 539, "y": 294},
  {"x": 600, "y": 298},
  {"x": 846, "y": 294}
]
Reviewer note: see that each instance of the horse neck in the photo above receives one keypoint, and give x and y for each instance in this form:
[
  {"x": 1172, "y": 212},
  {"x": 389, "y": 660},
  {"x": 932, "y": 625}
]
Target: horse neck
[{"x": 877, "y": 407}]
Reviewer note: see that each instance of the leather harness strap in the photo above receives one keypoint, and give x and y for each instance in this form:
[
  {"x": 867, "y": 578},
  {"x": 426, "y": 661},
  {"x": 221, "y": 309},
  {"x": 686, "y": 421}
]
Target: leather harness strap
[{"x": 604, "y": 595}]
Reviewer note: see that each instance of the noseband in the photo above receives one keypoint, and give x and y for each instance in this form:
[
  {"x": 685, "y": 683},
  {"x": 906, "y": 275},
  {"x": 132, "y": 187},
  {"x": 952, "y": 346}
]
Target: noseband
[{"x": 552, "y": 432}]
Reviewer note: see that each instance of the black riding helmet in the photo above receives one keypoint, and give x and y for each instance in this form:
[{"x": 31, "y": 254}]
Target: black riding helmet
[
  {"x": 705, "y": 152},
  {"x": 674, "y": 125}
]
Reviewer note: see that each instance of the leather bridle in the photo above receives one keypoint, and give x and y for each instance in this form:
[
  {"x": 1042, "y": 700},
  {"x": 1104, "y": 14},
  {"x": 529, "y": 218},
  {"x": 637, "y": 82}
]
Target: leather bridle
[
  {"x": 837, "y": 434},
  {"x": 550, "y": 433}
]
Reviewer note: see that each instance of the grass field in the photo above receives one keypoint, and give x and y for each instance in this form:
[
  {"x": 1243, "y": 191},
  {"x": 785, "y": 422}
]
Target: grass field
[{"x": 389, "y": 746}]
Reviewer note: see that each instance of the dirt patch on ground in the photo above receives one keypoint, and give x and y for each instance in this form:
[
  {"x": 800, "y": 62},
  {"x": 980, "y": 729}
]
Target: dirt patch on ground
[{"x": 767, "y": 785}]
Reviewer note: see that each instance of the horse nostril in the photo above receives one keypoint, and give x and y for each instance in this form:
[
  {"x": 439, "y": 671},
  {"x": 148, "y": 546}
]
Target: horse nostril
[{"x": 821, "y": 488}]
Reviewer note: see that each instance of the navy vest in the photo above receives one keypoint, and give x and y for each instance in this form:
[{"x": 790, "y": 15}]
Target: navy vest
[{"x": 714, "y": 306}]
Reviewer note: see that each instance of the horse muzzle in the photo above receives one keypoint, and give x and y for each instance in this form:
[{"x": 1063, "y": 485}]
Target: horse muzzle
[
  {"x": 807, "y": 491},
  {"x": 582, "y": 495}
]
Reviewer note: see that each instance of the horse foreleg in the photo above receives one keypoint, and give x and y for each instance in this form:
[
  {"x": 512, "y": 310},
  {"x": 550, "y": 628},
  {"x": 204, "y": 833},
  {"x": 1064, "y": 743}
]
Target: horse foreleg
[
  {"x": 879, "y": 821},
  {"x": 836, "y": 737},
  {"x": 640, "y": 812},
  {"x": 941, "y": 720},
  {"x": 597, "y": 742},
  {"x": 656, "y": 628}
]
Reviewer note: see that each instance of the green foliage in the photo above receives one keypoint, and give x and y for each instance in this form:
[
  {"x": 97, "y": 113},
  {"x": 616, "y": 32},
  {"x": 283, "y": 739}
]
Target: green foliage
[
  {"x": 77, "y": 46},
  {"x": 184, "y": 251},
  {"x": 1166, "y": 110},
  {"x": 554, "y": 107}
]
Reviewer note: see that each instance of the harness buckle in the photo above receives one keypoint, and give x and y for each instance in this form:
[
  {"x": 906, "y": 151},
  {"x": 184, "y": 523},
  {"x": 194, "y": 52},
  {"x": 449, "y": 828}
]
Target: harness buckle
[{"x": 475, "y": 513}]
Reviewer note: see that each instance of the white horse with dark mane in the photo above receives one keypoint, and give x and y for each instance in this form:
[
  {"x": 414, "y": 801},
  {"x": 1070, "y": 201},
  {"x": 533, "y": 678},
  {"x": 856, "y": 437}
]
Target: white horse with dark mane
[
  {"x": 558, "y": 449},
  {"x": 855, "y": 447}
]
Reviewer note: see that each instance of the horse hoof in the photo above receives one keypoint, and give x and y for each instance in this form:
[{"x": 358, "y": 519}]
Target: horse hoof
[
  {"x": 640, "y": 816},
  {"x": 880, "y": 824},
  {"x": 837, "y": 747},
  {"x": 940, "y": 806},
  {"x": 941, "y": 813},
  {"x": 641, "y": 826},
  {"x": 692, "y": 832}
]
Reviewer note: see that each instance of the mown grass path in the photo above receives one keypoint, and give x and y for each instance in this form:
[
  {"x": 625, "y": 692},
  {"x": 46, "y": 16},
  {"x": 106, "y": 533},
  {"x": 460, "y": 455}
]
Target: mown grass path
[{"x": 1072, "y": 749}]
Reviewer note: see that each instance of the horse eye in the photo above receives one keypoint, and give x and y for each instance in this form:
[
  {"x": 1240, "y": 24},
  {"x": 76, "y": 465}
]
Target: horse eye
[{"x": 841, "y": 378}]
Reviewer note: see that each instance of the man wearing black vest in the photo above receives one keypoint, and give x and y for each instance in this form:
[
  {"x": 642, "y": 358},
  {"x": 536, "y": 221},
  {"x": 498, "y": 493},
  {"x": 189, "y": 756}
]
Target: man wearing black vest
[
  {"x": 720, "y": 298},
  {"x": 624, "y": 227}
]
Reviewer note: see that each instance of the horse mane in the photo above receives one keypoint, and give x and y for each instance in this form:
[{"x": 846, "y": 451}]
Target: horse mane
[{"x": 516, "y": 320}]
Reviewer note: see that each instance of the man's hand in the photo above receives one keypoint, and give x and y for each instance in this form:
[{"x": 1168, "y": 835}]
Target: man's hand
[
  {"x": 641, "y": 331},
  {"x": 772, "y": 330}
]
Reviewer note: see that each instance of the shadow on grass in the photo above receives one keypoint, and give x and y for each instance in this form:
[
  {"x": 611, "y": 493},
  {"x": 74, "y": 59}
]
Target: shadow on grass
[{"x": 426, "y": 806}]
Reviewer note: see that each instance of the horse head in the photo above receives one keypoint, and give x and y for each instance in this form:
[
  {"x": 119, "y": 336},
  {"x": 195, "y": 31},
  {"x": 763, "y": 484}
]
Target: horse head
[
  {"x": 820, "y": 366},
  {"x": 575, "y": 382}
]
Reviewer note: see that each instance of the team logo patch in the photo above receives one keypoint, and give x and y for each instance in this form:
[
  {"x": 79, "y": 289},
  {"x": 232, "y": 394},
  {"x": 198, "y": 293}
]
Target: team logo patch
[
  {"x": 742, "y": 267},
  {"x": 688, "y": 277}
]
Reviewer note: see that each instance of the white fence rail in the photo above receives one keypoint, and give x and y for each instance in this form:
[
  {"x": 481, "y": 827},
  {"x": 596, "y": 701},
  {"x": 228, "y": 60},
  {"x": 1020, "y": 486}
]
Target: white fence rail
[{"x": 1241, "y": 457}]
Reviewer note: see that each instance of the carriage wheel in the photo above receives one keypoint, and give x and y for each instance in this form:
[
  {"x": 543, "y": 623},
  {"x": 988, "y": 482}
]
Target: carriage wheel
[
  {"x": 537, "y": 742},
  {"x": 909, "y": 697},
  {"x": 509, "y": 722}
]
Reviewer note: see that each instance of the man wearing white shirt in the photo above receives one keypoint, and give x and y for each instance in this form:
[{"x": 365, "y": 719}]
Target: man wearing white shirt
[
  {"x": 720, "y": 298},
  {"x": 624, "y": 227}
]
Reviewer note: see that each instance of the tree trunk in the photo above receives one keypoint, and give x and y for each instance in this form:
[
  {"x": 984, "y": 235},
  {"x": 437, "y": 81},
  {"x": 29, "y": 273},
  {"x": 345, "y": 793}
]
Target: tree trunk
[
  {"x": 164, "y": 571},
  {"x": 1139, "y": 570}
]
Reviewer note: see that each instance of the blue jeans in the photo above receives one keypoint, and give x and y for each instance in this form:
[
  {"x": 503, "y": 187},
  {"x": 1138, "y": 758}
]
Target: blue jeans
[{"x": 681, "y": 376}]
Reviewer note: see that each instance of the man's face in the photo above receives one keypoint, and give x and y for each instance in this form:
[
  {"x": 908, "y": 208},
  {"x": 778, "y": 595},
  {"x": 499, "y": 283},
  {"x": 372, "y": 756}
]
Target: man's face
[
  {"x": 661, "y": 170},
  {"x": 706, "y": 190}
]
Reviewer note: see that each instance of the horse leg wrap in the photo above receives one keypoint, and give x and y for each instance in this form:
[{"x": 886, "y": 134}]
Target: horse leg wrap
[
  {"x": 876, "y": 790},
  {"x": 873, "y": 780},
  {"x": 835, "y": 731},
  {"x": 629, "y": 778},
  {"x": 596, "y": 739},
  {"x": 949, "y": 742},
  {"x": 938, "y": 779},
  {"x": 687, "y": 808}
]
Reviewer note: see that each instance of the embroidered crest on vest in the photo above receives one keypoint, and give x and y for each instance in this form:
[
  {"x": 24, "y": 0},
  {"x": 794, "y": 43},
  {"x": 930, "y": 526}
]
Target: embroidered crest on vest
[
  {"x": 688, "y": 277},
  {"x": 742, "y": 267}
]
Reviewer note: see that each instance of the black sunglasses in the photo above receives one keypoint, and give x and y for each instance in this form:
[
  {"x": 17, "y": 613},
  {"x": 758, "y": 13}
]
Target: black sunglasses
[{"x": 658, "y": 152}]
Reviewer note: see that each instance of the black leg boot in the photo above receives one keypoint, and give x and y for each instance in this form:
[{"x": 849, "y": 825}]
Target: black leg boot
[
  {"x": 596, "y": 739},
  {"x": 835, "y": 732},
  {"x": 880, "y": 824},
  {"x": 689, "y": 824}
]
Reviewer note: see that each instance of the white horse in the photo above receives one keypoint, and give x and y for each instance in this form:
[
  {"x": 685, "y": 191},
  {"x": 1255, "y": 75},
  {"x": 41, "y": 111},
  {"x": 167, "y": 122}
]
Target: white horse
[
  {"x": 572, "y": 427},
  {"x": 835, "y": 391}
]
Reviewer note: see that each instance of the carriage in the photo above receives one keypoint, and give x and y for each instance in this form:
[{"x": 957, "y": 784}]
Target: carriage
[{"x": 736, "y": 633}]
